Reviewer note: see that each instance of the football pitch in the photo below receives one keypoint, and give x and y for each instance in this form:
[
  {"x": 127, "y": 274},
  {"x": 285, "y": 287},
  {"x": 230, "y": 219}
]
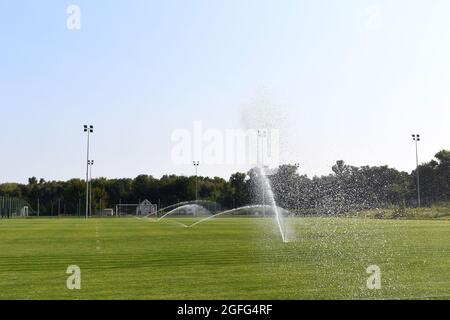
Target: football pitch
[{"x": 224, "y": 258}]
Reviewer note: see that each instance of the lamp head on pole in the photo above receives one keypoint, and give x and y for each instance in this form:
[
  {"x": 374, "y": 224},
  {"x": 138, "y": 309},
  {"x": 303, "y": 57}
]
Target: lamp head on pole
[{"x": 89, "y": 128}]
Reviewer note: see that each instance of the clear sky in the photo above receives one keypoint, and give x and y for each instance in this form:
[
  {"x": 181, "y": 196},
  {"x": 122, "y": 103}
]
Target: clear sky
[{"x": 342, "y": 79}]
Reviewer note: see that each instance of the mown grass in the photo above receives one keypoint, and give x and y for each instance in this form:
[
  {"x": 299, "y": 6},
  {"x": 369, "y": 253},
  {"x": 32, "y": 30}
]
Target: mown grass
[
  {"x": 229, "y": 258},
  {"x": 436, "y": 211}
]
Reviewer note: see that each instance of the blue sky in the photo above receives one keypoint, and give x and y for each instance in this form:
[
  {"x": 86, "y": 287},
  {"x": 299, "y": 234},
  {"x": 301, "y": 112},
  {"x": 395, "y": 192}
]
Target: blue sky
[{"x": 138, "y": 70}]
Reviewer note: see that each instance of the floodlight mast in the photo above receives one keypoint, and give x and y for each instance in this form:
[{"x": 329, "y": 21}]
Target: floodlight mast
[
  {"x": 196, "y": 165},
  {"x": 91, "y": 164},
  {"x": 416, "y": 138},
  {"x": 262, "y": 134},
  {"x": 88, "y": 129}
]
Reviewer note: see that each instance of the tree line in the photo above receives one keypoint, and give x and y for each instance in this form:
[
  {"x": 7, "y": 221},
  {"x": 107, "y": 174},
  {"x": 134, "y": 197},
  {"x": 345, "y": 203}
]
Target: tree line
[{"x": 347, "y": 188}]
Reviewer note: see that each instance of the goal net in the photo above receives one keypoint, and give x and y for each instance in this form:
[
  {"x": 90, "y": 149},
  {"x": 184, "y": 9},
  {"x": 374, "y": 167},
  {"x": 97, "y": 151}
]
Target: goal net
[{"x": 143, "y": 209}]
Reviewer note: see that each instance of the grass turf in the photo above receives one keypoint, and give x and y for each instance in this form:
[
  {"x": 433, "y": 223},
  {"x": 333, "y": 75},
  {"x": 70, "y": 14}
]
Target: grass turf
[{"x": 224, "y": 258}]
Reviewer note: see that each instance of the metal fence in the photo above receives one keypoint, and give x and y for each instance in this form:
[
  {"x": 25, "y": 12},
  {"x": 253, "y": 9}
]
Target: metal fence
[{"x": 11, "y": 207}]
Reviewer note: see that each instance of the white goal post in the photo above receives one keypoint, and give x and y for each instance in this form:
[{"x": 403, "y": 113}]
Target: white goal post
[{"x": 145, "y": 208}]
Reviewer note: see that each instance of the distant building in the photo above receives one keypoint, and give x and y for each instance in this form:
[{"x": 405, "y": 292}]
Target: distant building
[{"x": 146, "y": 208}]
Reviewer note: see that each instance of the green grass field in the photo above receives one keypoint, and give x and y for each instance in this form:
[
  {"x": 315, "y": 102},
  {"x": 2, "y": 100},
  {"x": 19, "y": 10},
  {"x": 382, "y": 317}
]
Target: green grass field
[{"x": 225, "y": 258}]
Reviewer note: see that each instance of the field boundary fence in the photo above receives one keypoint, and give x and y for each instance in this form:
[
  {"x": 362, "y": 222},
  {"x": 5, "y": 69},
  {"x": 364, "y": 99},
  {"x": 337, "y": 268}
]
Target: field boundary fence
[{"x": 12, "y": 207}]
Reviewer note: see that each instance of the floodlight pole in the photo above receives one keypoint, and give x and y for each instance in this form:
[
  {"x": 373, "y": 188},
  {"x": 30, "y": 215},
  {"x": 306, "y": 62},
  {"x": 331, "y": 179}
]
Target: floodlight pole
[
  {"x": 416, "y": 138},
  {"x": 196, "y": 164},
  {"x": 262, "y": 134},
  {"x": 88, "y": 129},
  {"x": 91, "y": 163}
]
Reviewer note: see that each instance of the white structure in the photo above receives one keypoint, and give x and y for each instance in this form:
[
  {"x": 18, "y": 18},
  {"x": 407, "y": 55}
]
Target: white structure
[
  {"x": 24, "y": 211},
  {"x": 146, "y": 208},
  {"x": 107, "y": 213}
]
